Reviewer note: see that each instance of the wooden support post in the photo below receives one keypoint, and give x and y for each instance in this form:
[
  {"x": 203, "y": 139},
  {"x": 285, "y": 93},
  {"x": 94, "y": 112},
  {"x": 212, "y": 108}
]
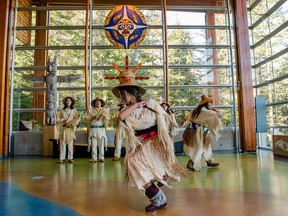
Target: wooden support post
[
  {"x": 40, "y": 59},
  {"x": 244, "y": 78},
  {"x": 6, "y": 14},
  {"x": 211, "y": 37}
]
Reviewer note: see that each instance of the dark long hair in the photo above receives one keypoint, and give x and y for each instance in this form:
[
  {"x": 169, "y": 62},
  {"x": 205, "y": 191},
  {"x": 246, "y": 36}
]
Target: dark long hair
[
  {"x": 135, "y": 92},
  {"x": 169, "y": 109},
  {"x": 72, "y": 104},
  {"x": 197, "y": 110},
  {"x": 131, "y": 90}
]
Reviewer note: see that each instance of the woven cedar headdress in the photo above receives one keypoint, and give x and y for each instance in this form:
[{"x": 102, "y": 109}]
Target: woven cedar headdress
[
  {"x": 127, "y": 78},
  {"x": 97, "y": 98},
  {"x": 205, "y": 99}
]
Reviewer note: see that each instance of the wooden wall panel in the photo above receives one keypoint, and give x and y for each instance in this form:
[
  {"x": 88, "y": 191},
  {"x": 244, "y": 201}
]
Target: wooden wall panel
[{"x": 24, "y": 18}]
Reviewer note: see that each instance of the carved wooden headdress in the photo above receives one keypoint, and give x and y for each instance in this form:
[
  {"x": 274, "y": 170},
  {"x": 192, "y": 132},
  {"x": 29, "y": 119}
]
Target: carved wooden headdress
[{"x": 127, "y": 78}]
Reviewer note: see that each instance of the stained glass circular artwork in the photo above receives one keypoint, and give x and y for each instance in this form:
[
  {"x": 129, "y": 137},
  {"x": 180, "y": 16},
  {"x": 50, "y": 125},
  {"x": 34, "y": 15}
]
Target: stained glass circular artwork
[{"x": 125, "y": 26}]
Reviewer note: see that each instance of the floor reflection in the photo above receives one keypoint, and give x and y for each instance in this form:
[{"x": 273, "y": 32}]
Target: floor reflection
[{"x": 244, "y": 184}]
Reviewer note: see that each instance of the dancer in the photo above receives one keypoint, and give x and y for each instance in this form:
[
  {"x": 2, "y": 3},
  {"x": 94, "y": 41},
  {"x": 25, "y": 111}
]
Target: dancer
[
  {"x": 173, "y": 130},
  {"x": 150, "y": 157},
  {"x": 120, "y": 134},
  {"x": 196, "y": 137},
  {"x": 67, "y": 119},
  {"x": 97, "y": 119}
]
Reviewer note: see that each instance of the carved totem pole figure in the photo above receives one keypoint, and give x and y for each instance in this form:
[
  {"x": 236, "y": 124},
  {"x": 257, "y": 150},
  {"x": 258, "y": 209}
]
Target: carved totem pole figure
[{"x": 51, "y": 80}]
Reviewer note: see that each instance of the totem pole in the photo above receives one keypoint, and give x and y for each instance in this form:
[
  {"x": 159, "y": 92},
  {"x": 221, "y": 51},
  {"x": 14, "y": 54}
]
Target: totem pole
[
  {"x": 50, "y": 132},
  {"x": 51, "y": 80}
]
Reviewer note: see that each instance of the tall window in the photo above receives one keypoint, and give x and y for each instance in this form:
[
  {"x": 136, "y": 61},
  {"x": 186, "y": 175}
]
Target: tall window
[
  {"x": 199, "y": 58},
  {"x": 268, "y": 31}
]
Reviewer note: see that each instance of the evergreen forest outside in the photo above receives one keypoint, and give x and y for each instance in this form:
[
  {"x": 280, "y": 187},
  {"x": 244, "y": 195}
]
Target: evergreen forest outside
[{"x": 200, "y": 61}]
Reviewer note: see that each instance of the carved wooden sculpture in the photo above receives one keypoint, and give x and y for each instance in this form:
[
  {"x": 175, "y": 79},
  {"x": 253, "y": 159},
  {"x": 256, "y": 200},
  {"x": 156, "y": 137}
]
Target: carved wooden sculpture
[{"x": 51, "y": 80}]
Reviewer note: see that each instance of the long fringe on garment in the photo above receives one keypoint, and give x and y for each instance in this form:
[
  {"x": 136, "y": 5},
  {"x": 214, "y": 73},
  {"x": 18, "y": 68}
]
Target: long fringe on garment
[
  {"x": 151, "y": 159},
  {"x": 209, "y": 119},
  {"x": 189, "y": 137}
]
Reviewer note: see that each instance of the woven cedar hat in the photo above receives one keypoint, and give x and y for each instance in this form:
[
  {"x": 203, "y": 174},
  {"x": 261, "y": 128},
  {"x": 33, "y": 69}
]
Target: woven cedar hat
[
  {"x": 204, "y": 100},
  {"x": 127, "y": 78},
  {"x": 97, "y": 98},
  {"x": 71, "y": 98}
]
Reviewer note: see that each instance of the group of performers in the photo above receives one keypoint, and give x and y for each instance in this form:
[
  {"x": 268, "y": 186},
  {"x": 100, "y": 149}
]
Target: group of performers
[{"x": 148, "y": 128}]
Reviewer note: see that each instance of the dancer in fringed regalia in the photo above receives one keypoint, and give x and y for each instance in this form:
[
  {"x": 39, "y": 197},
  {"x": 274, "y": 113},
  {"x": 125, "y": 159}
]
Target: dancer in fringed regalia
[
  {"x": 67, "y": 119},
  {"x": 173, "y": 129},
  {"x": 120, "y": 134},
  {"x": 97, "y": 121},
  {"x": 150, "y": 159},
  {"x": 203, "y": 121}
]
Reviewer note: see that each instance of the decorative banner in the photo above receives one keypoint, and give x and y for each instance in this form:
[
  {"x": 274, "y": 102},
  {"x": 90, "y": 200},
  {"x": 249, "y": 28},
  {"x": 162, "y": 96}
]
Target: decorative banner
[{"x": 125, "y": 26}]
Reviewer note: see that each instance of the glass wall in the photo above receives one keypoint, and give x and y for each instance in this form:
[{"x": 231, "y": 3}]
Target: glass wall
[
  {"x": 199, "y": 58},
  {"x": 268, "y": 30}
]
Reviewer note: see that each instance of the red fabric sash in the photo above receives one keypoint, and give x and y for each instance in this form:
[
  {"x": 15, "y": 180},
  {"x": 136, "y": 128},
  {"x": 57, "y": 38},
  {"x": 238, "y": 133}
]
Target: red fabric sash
[{"x": 148, "y": 135}]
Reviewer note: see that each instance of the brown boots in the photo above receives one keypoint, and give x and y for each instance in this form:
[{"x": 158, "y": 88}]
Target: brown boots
[
  {"x": 190, "y": 165},
  {"x": 156, "y": 197},
  {"x": 210, "y": 163}
]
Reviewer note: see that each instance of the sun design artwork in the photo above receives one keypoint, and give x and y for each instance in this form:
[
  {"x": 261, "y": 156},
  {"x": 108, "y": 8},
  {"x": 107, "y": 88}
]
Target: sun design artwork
[{"x": 125, "y": 26}]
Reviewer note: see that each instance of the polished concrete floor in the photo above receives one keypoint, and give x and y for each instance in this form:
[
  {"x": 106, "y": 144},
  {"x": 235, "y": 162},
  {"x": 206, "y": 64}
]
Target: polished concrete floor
[{"x": 244, "y": 184}]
